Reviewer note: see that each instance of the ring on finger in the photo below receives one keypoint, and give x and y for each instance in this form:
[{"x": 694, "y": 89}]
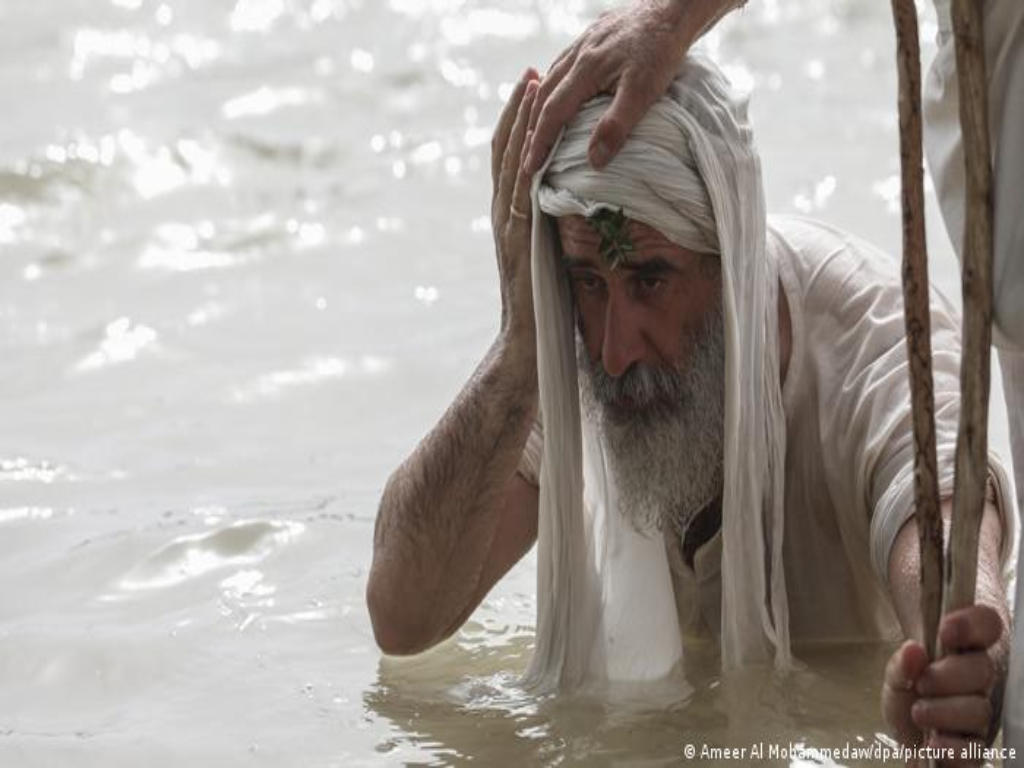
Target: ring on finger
[{"x": 517, "y": 214}]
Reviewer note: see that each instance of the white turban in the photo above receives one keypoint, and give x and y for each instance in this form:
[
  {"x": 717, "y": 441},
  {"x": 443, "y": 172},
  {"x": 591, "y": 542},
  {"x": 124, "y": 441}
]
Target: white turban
[{"x": 605, "y": 606}]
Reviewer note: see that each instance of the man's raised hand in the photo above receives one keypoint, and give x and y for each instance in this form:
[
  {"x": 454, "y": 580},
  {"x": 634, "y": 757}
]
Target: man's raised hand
[
  {"x": 510, "y": 205},
  {"x": 633, "y": 53}
]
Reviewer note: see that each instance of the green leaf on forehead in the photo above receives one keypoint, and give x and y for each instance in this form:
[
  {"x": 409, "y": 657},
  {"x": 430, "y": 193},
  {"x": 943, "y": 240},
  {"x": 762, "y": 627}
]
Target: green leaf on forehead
[{"x": 612, "y": 227}]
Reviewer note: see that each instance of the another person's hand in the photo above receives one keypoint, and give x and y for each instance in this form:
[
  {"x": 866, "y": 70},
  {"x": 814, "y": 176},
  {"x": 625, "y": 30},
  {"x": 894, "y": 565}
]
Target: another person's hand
[
  {"x": 511, "y": 209},
  {"x": 632, "y": 52},
  {"x": 951, "y": 697}
]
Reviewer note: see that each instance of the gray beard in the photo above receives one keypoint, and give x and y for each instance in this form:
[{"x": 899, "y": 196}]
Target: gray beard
[{"x": 665, "y": 451}]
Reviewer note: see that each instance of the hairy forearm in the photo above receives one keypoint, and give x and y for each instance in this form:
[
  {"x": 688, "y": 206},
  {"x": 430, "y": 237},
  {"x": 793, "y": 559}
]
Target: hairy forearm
[{"x": 441, "y": 507}]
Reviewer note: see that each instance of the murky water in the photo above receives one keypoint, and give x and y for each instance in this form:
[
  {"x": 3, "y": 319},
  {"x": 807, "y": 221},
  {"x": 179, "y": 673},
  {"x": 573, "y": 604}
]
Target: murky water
[{"x": 245, "y": 262}]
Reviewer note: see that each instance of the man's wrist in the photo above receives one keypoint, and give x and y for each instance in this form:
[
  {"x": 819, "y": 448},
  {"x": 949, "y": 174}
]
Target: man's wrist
[
  {"x": 517, "y": 343},
  {"x": 692, "y": 18}
]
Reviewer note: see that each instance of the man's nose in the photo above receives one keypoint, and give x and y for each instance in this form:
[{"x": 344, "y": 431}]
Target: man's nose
[{"x": 622, "y": 343}]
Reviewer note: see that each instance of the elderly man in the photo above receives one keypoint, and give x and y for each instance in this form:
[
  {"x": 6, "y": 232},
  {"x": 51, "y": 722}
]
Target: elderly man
[
  {"x": 633, "y": 51},
  {"x": 736, "y": 459}
]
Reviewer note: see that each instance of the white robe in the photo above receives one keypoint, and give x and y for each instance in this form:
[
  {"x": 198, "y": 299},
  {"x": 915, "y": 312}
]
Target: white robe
[
  {"x": 1004, "y": 60},
  {"x": 849, "y": 443}
]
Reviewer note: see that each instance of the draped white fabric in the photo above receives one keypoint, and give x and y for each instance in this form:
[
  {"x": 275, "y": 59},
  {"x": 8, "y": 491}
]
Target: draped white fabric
[
  {"x": 1004, "y": 62},
  {"x": 605, "y": 605}
]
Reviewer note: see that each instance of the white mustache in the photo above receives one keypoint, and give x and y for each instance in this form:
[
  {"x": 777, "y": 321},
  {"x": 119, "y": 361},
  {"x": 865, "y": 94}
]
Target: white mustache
[{"x": 642, "y": 384}]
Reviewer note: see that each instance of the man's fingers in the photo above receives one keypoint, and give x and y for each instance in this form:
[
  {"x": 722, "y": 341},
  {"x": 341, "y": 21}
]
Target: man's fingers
[
  {"x": 521, "y": 194},
  {"x": 505, "y": 122},
  {"x": 976, "y": 627},
  {"x": 631, "y": 102},
  {"x": 499, "y": 140},
  {"x": 560, "y": 104},
  {"x": 556, "y": 73},
  {"x": 965, "y": 715},
  {"x": 554, "y": 76},
  {"x": 558, "y": 69},
  {"x": 898, "y": 693},
  {"x": 511, "y": 162},
  {"x": 958, "y": 674},
  {"x": 905, "y": 667}
]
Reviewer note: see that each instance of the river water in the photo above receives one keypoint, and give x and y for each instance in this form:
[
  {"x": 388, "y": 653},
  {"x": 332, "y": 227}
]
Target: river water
[{"x": 245, "y": 262}]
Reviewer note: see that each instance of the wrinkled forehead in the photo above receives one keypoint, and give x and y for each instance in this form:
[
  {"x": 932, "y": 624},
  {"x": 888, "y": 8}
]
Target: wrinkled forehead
[{"x": 580, "y": 239}]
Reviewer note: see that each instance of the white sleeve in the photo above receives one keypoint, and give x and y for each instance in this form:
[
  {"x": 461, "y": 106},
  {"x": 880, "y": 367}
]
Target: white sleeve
[
  {"x": 866, "y": 416},
  {"x": 893, "y": 482}
]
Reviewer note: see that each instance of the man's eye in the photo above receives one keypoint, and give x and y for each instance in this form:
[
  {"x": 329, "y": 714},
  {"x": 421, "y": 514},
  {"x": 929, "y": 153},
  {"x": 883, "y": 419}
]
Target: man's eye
[
  {"x": 648, "y": 284},
  {"x": 588, "y": 283}
]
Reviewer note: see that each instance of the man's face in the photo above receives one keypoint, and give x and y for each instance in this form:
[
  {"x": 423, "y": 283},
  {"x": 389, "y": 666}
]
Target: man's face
[
  {"x": 646, "y": 311},
  {"x": 651, "y": 354}
]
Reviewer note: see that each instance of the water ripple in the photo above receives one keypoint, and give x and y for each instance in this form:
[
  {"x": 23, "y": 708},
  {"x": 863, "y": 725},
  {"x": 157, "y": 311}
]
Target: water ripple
[
  {"x": 188, "y": 557},
  {"x": 265, "y": 100},
  {"x": 22, "y": 470},
  {"x": 465, "y": 28},
  {"x": 256, "y": 15},
  {"x": 313, "y": 371},
  {"x": 181, "y": 248},
  {"x": 13, "y": 514},
  {"x": 143, "y": 60},
  {"x": 11, "y": 218},
  {"x": 122, "y": 342}
]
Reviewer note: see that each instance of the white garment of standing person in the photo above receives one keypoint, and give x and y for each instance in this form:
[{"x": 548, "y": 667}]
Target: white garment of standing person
[{"x": 1004, "y": 61}]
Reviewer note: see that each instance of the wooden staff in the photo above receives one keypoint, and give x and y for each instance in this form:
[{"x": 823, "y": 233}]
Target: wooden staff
[
  {"x": 972, "y": 439},
  {"x": 918, "y": 319}
]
